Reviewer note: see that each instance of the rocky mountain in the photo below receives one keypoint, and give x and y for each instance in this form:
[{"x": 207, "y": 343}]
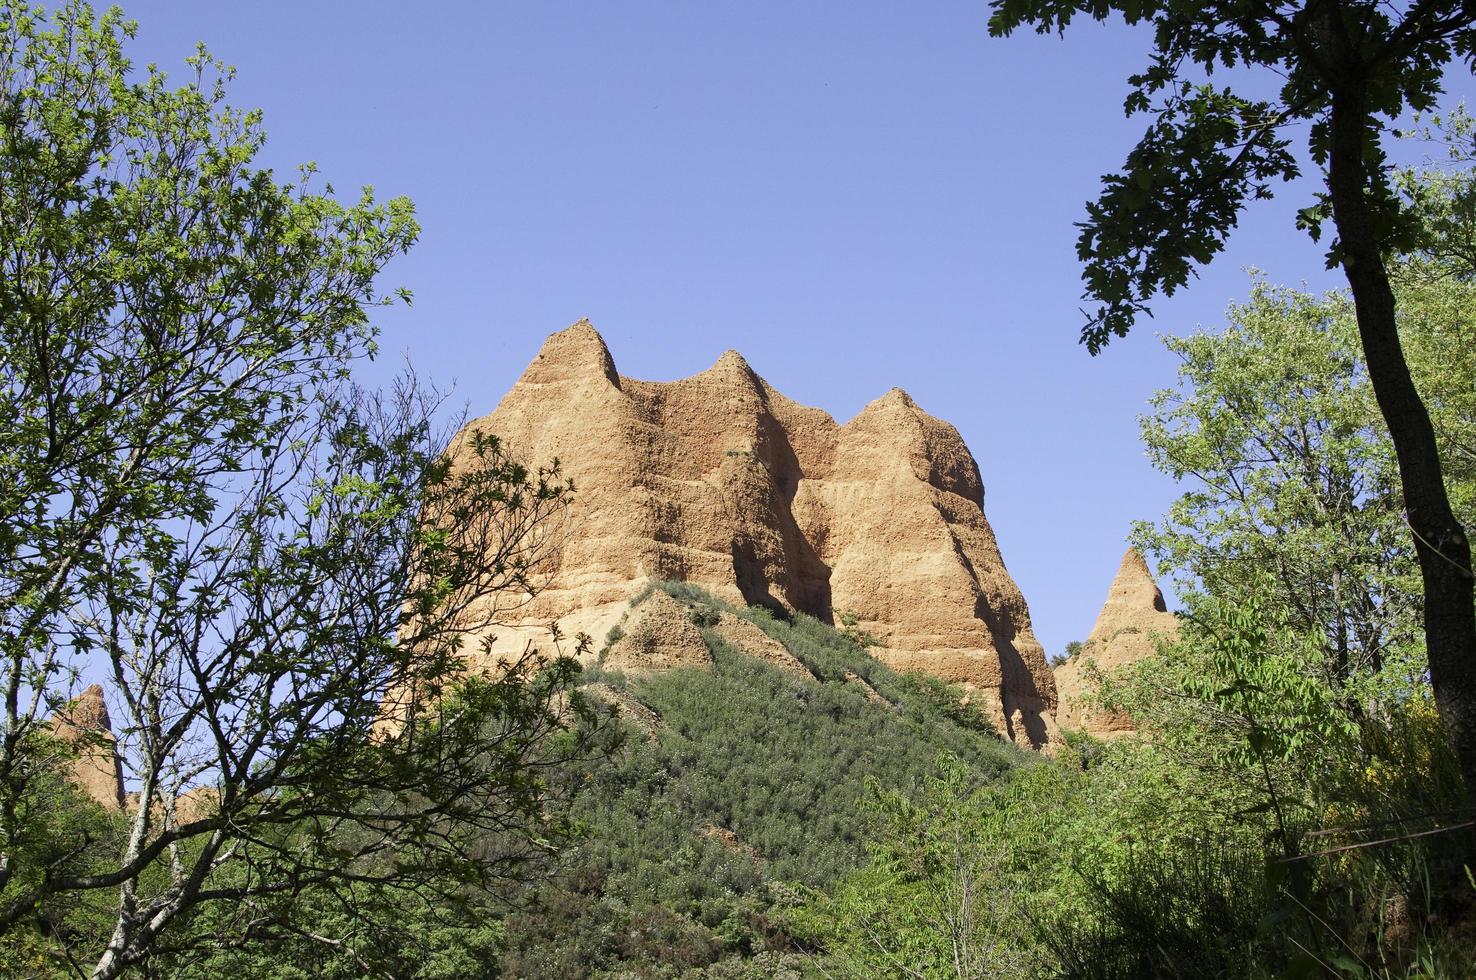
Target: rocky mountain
[
  {"x": 83, "y": 723},
  {"x": 721, "y": 481},
  {"x": 1132, "y": 620}
]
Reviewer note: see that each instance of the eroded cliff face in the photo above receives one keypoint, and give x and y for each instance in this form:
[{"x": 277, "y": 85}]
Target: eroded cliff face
[
  {"x": 1133, "y": 619},
  {"x": 84, "y": 723},
  {"x": 720, "y": 480}
]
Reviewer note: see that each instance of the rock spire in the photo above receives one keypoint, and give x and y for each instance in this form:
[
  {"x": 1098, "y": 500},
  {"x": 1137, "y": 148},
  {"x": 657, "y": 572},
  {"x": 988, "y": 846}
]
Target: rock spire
[
  {"x": 1132, "y": 620},
  {"x": 84, "y": 724}
]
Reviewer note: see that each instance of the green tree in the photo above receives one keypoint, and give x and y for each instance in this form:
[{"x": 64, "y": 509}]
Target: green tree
[
  {"x": 200, "y": 510},
  {"x": 1442, "y": 198},
  {"x": 1299, "y": 678},
  {"x": 1293, "y": 484},
  {"x": 1072, "y": 649},
  {"x": 936, "y": 898},
  {"x": 1295, "y": 496},
  {"x": 1285, "y": 735},
  {"x": 1349, "y": 68}
]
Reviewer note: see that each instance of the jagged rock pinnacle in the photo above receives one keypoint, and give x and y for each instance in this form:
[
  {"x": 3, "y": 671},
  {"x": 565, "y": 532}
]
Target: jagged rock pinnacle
[
  {"x": 894, "y": 398},
  {"x": 88, "y": 711},
  {"x": 731, "y": 361},
  {"x": 1133, "y": 618},
  {"x": 576, "y": 351},
  {"x": 1133, "y": 588},
  {"x": 84, "y": 723}
]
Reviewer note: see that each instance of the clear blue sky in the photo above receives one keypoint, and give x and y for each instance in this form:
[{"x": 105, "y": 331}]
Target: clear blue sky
[{"x": 855, "y": 195}]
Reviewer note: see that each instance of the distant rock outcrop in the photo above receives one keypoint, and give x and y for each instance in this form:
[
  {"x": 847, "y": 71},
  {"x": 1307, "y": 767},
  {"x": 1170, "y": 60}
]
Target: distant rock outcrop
[
  {"x": 720, "y": 480},
  {"x": 1132, "y": 619},
  {"x": 84, "y": 724}
]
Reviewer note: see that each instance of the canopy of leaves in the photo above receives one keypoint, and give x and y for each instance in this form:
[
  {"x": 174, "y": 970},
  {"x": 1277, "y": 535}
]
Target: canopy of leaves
[
  {"x": 201, "y": 511},
  {"x": 1211, "y": 149}
]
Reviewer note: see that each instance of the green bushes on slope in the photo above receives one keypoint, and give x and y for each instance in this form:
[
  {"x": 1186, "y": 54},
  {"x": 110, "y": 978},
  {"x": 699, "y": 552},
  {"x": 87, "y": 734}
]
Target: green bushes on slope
[
  {"x": 702, "y": 843},
  {"x": 698, "y": 842}
]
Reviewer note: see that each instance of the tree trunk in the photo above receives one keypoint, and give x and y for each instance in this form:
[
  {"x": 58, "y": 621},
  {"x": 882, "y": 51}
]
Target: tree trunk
[{"x": 1440, "y": 542}]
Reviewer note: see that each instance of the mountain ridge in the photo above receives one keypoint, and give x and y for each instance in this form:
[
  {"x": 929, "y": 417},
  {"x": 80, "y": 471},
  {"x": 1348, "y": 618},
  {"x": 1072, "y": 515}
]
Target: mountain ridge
[{"x": 721, "y": 480}]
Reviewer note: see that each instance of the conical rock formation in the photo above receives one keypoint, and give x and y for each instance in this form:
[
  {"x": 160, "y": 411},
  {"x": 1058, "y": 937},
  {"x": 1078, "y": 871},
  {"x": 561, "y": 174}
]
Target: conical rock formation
[
  {"x": 1131, "y": 622},
  {"x": 84, "y": 724},
  {"x": 720, "y": 480},
  {"x": 657, "y": 634}
]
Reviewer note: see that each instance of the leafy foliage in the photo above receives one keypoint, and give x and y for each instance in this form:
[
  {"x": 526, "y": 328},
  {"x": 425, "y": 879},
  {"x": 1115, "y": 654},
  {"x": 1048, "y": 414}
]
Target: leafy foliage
[
  {"x": 939, "y": 895},
  {"x": 1295, "y": 495},
  {"x": 702, "y": 837},
  {"x": 1299, "y": 685},
  {"x": 698, "y": 842},
  {"x": 1293, "y": 808},
  {"x": 273, "y": 572},
  {"x": 1348, "y": 70},
  {"x": 1295, "y": 500},
  {"x": 1209, "y": 151}
]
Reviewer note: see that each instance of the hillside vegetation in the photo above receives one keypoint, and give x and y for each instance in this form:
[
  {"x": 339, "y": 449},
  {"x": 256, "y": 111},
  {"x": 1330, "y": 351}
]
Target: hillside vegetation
[
  {"x": 256, "y": 722},
  {"x": 755, "y": 789},
  {"x": 726, "y": 799}
]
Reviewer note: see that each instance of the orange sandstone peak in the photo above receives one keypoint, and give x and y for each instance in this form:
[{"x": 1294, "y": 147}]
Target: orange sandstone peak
[
  {"x": 733, "y": 363},
  {"x": 571, "y": 353},
  {"x": 1133, "y": 592},
  {"x": 83, "y": 723},
  {"x": 89, "y": 711},
  {"x": 1132, "y": 620},
  {"x": 722, "y": 481}
]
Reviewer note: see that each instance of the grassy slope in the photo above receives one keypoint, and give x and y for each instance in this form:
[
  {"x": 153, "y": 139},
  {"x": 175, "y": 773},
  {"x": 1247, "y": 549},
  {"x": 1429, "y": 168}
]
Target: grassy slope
[{"x": 783, "y": 763}]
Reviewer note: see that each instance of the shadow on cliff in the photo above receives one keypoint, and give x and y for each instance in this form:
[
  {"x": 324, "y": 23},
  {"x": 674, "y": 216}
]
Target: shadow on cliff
[
  {"x": 809, "y": 586},
  {"x": 793, "y": 569},
  {"x": 808, "y": 593},
  {"x": 1017, "y": 690}
]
